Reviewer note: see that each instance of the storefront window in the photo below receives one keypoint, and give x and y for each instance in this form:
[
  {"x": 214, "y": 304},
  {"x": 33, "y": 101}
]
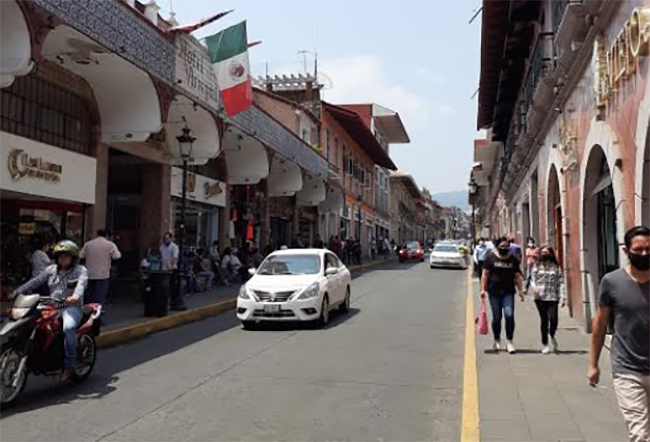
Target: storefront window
[{"x": 24, "y": 225}]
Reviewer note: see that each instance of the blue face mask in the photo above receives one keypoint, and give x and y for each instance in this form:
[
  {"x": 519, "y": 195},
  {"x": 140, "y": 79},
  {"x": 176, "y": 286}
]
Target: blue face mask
[{"x": 167, "y": 241}]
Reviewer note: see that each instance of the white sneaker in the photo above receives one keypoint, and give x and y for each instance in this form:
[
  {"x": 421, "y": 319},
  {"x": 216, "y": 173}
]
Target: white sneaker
[
  {"x": 554, "y": 347},
  {"x": 546, "y": 350},
  {"x": 510, "y": 347},
  {"x": 496, "y": 346}
]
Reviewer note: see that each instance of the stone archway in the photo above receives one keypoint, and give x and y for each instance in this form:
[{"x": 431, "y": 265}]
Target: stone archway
[
  {"x": 555, "y": 214},
  {"x": 126, "y": 96},
  {"x": 15, "y": 43},
  {"x": 602, "y": 212},
  {"x": 642, "y": 185}
]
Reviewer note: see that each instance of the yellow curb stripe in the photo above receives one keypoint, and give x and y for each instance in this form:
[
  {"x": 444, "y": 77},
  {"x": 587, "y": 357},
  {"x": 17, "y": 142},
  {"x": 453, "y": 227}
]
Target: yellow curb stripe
[
  {"x": 136, "y": 331},
  {"x": 470, "y": 413}
]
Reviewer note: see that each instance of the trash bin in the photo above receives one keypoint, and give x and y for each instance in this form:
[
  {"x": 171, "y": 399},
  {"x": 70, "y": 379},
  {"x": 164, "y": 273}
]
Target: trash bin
[{"x": 156, "y": 293}]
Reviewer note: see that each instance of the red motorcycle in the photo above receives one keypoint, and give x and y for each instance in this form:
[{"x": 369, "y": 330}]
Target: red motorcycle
[{"x": 32, "y": 342}]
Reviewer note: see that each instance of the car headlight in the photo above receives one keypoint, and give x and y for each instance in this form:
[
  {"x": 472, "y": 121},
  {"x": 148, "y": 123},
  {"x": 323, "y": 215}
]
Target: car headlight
[
  {"x": 310, "y": 292},
  {"x": 243, "y": 292}
]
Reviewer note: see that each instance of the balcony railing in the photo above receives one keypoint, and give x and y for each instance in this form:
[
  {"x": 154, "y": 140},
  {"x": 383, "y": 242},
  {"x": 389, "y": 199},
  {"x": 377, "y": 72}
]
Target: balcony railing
[
  {"x": 542, "y": 64},
  {"x": 559, "y": 8}
]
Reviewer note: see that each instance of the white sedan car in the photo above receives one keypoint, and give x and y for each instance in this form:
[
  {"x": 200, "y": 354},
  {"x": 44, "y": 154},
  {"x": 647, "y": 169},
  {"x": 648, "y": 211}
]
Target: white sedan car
[
  {"x": 447, "y": 255},
  {"x": 295, "y": 285}
]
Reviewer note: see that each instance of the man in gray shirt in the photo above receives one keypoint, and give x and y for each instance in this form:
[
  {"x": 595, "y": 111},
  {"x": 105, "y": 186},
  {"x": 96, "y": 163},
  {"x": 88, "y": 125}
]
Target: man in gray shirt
[{"x": 624, "y": 303}]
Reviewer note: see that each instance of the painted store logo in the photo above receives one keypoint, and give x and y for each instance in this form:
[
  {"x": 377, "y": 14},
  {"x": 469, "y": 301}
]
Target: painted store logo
[
  {"x": 618, "y": 63},
  {"x": 21, "y": 165}
]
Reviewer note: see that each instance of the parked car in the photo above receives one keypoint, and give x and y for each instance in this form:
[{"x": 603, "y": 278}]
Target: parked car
[
  {"x": 295, "y": 285},
  {"x": 447, "y": 255},
  {"x": 411, "y": 250}
]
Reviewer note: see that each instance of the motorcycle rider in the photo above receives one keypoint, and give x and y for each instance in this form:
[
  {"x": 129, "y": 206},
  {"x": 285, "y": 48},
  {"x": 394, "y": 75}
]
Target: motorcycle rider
[{"x": 67, "y": 281}]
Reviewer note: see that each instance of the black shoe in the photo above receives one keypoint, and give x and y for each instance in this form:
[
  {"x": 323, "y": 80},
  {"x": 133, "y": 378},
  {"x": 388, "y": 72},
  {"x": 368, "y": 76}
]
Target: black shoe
[{"x": 178, "y": 307}]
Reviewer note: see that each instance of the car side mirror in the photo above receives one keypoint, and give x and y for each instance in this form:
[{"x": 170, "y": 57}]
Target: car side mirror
[
  {"x": 252, "y": 271},
  {"x": 331, "y": 271}
]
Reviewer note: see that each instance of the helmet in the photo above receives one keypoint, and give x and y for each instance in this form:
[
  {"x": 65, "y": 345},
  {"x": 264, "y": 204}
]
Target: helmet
[{"x": 66, "y": 246}]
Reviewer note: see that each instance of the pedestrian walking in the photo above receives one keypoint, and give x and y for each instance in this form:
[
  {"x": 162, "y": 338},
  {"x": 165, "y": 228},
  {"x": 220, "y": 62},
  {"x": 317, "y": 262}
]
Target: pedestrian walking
[
  {"x": 99, "y": 254},
  {"x": 387, "y": 248},
  {"x": 532, "y": 253},
  {"x": 169, "y": 252},
  {"x": 515, "y": 249},
  {"x": 373, "y": 248},
  {"x": 318, "y": 242},
  {"x": 481, "y": 252},
  {"x": 501, "y": 279},
  {"x": 549, "y": 293},
  {"x": 623, "y": 302}
]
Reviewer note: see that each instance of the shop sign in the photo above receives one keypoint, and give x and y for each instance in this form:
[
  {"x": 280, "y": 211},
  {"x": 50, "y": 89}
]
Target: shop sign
[
  {"x": 615, "y": 65},
  {"x": 198, "y": 188},
  {"x": 26, "y": 228},
  {"x": 20, "y": 164},
  {"x": 33, "y": 168},
  {"x": 194, "y": 72}
]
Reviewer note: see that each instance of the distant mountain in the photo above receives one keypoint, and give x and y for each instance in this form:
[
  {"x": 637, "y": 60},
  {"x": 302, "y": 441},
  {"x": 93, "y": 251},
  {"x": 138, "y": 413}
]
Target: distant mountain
[{"x": 458, "y": 198}]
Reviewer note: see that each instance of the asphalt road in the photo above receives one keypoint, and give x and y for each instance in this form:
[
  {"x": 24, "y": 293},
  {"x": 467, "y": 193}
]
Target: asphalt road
[{"x": 391, "y": 369}]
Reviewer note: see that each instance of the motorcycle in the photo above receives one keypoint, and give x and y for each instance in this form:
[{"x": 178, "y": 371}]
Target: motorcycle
[{"x": 32, "y": 342}]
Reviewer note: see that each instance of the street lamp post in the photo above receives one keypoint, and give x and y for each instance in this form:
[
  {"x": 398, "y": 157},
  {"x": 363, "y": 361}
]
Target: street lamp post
[
  {"x": 185, "y": 143},
  {"x": 473, "y": 190}
]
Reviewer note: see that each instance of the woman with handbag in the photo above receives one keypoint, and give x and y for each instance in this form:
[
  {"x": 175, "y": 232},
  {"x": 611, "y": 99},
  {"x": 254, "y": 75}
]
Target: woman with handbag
[
  {"x": 549, "y": 293},
  {"x": 500, "y": 281}
]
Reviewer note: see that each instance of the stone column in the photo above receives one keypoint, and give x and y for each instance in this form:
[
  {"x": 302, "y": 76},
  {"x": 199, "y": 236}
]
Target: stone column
[
  {"x": 265, "y": 215},
  {"x": 97, "y": 213},
  {"x": 155, "y": 209}
]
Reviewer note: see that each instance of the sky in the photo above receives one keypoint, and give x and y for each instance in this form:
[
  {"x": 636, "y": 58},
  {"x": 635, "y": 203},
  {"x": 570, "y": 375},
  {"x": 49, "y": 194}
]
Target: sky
[{"x": 417, "y": 57}]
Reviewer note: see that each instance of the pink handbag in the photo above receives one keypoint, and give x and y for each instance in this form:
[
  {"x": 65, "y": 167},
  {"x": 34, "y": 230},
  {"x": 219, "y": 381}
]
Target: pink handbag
[{"x": 482, "y": 320}]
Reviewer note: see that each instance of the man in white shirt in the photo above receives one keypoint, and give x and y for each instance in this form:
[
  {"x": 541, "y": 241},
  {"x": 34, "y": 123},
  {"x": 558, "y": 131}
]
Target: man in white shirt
[
  {"x": 169, "y": 252},
  {"x": 99, "y": 254}
]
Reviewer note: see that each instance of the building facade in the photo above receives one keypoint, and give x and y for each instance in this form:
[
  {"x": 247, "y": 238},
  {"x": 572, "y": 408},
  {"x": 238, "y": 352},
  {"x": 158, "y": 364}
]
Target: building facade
[
  {"x": 405, "y": 210},
  {"x": 567, "y": 110}
]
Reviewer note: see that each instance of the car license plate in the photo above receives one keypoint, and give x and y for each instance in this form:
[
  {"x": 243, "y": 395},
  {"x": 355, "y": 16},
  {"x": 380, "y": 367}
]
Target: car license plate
[{"x": 272, "y": 308}]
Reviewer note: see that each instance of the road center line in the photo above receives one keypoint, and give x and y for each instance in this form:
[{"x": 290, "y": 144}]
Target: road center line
[{"x": 469, "y": 431}]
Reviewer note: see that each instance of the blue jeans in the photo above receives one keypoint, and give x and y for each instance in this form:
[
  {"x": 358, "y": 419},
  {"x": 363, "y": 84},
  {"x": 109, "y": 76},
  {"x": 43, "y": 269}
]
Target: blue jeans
[
  {"x": 502, "y": 304},
  {"x": 98, "y": 291},
  {"x": 71, "y": 318}
]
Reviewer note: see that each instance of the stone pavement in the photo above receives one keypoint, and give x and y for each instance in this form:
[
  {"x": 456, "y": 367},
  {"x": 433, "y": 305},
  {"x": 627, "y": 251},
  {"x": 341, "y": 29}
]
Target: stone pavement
[{"x": 533, "y": 397}]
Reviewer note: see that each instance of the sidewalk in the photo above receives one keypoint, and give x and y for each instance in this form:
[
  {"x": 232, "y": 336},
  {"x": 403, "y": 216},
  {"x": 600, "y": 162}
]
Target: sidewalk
[
  {"x": 125, "y": 321},
  {"x": 533, "y": 397}
]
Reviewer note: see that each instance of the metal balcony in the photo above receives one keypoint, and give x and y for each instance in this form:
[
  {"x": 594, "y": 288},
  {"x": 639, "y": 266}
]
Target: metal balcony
[
  {"x": 570, "y": 29},
  {"x": 538, "y": 86}
]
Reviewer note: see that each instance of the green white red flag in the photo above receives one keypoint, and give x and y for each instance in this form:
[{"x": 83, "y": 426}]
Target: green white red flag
[{"x": 228, "y": 52}]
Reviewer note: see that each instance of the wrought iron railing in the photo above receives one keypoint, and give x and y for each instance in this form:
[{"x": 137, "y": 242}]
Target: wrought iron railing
[
  {"x": 542, "y": 64},
  {"x": 559, "y": 8}
]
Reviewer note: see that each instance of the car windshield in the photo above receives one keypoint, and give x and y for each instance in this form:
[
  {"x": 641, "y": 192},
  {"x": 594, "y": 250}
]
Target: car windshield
[
  {"x": 445, "y": 248},
  {"x": 413, "y": 245},
  {"x": 291, "y": 265}
]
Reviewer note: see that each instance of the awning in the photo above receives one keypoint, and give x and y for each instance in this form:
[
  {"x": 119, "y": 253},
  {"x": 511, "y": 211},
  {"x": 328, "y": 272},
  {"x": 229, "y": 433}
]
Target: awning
[
  {"x": 313, "y": 191},
  {"x": 390, "y": 125},
  {"x": 126, "y": 96},
  {"x": 361, "y": 134},
  {"x": 259, "y": 124},
  {"x": 494, "y": 30},
  {"x": 285, "y": 178},
  {"x": 202, "y": 125},
  {"x": 408, "y": 182},
  {"x": 246, "y": 158}
]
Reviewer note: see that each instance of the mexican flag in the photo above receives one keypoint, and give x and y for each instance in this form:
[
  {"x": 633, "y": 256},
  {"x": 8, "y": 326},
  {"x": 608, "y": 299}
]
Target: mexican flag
[{"x": 228, "y": 51}]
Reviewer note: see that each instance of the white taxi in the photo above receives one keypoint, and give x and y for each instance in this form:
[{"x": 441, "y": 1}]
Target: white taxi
[{"x": 295, "y": 285}]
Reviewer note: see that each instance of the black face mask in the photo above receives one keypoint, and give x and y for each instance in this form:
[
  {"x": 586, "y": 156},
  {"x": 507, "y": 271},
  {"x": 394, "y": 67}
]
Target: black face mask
[
  {"x": 545, "y": 257},
  {"x": 639, "y": 262},
  {"x": 503, "y": 251}
]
